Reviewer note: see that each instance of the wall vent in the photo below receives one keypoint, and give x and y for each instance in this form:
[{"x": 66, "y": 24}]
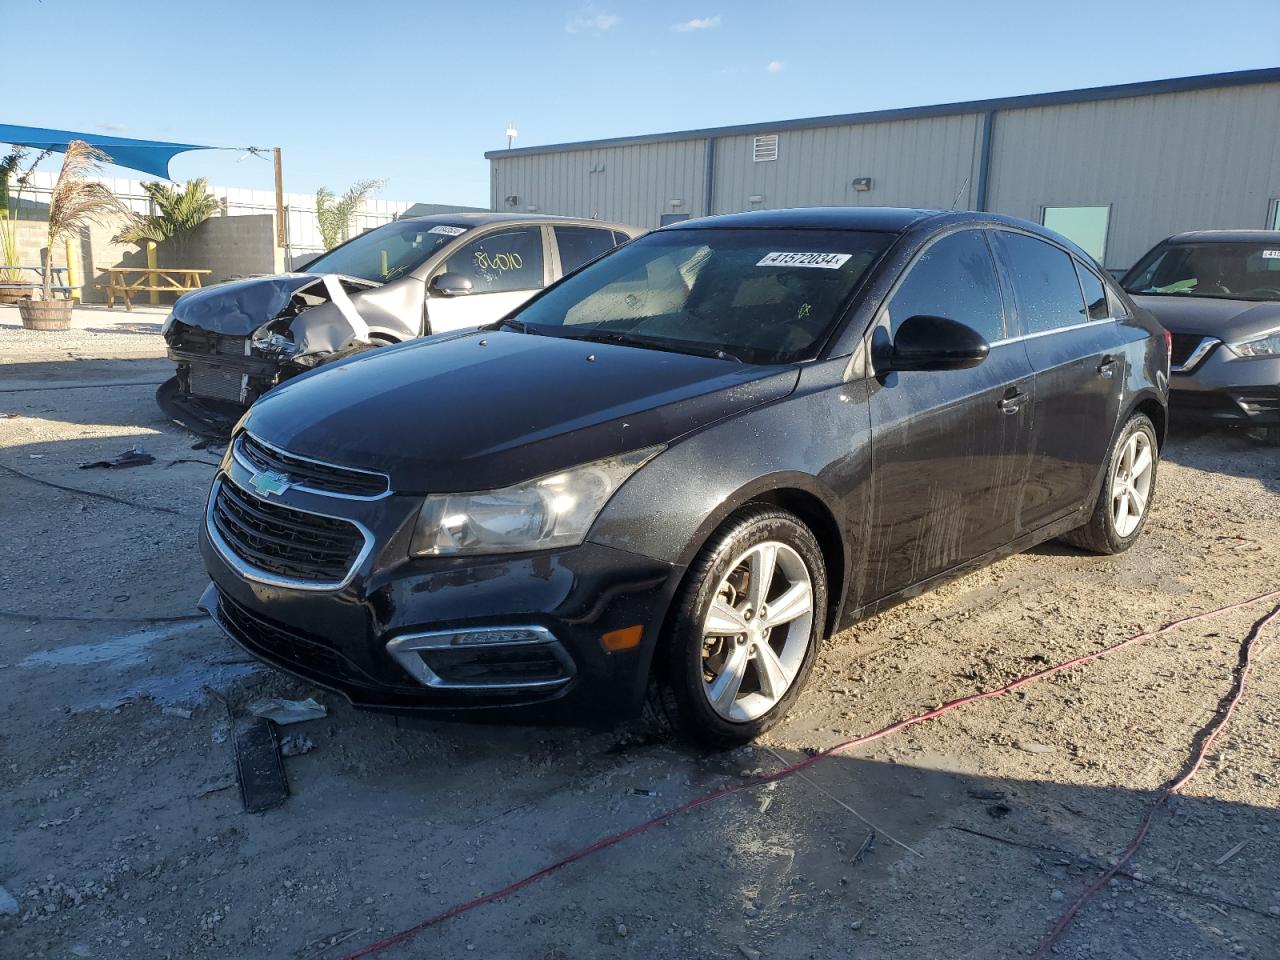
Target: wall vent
[{"x": 765, "y": 148}]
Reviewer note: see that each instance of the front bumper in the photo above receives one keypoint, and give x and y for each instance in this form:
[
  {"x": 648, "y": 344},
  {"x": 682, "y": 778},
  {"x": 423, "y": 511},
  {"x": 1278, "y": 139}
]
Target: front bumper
[
  {"x": 1225, "y": 388},
  {"x": 338, "y": 639}
]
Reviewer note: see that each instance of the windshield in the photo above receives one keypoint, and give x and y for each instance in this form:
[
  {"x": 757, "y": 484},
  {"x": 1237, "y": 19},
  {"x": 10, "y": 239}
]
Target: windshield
[
  {"x": 388, "y": 252},
  {"x": 1238, "y": 271},
  {"x": 760, "y": 296}
]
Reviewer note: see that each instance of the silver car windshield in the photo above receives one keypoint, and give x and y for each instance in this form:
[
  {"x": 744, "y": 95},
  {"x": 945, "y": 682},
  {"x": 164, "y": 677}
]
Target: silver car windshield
[
  {"x": 388, "y": 252},
  {"x": 1236, "y": 271},
  {"x": 759, "y": 296}
]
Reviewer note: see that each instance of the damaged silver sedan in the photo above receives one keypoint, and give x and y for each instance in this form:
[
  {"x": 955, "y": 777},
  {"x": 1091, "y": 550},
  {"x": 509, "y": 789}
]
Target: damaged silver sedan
[{"x": 235, "y": 341}]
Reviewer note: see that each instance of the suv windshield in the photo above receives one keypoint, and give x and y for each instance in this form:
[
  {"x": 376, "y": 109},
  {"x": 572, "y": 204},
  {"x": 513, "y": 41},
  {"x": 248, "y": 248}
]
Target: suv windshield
[
  {"x": 760, "y": 296},
  {"x": 1239, "y": 271},
  {"x": 388, "y": 252}
]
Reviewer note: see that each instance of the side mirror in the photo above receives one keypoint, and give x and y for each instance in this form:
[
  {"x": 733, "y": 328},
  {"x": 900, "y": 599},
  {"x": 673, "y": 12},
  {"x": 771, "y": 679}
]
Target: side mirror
[
  {"x": 936, "y": 343},
  {"x": 450, "y": 285}
]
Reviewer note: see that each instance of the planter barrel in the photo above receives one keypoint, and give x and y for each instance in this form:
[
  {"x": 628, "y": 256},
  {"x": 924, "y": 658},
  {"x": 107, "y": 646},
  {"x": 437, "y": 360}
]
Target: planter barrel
[{"x": 45, "y": 314}]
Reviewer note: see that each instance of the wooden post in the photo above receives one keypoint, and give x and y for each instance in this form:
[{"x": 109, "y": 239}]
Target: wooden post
[
  {"x": 281, "y": 236},
  {"x": 153, "y": 296},
  {"x": 73, "y": 272}
]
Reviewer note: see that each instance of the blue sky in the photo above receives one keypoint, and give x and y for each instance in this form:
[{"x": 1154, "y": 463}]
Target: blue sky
[{"x": 415, "y": 92}]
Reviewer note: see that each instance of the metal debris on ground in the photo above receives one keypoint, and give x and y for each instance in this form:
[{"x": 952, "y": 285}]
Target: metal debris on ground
[
  {"x": 285, "y": 712},
  {"x": 8, "y": 905},
  {"x": 259, "y": 769},
  {"x": 133, "y": 457},
  {"x": 181, "y": 712}
]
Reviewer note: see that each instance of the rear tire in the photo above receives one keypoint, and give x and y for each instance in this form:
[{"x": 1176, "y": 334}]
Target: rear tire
[
  {"x": 737, "y": 654},
  {"x": 1128, "y": 486}
]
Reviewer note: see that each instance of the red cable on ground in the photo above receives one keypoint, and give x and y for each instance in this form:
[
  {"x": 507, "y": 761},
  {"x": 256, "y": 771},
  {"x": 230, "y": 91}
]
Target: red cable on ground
[
  {"x": 1210, "y": 732},
  {"x": 613, "y": 839}
]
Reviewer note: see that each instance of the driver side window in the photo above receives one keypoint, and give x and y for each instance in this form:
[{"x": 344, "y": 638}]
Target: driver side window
[
  {"x": 501, "y": 261},
  {"x": 954, "y": 278}
]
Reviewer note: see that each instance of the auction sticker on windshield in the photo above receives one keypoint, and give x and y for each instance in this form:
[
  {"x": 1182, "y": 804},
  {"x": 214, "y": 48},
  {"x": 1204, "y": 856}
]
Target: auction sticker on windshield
[
  {"x": 1271, "y": 254},
  {"x": 448, "y": 231},
  {"x": 826, "y": 261}
]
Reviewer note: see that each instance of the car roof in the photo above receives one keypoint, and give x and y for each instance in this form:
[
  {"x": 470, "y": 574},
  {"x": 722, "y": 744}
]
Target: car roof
[
  {"x": 1226, "y": 236},
  {"x": 488, "y": 219},
  {"x": 891, "y": 219}
]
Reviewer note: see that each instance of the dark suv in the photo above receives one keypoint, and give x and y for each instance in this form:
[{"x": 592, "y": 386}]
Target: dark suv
[{"x": 671, "y": 475}]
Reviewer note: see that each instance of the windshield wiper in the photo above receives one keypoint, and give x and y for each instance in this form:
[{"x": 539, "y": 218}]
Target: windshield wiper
[
  {"x": 518, "y": 325},
  {"x": 647, "y": 343}
]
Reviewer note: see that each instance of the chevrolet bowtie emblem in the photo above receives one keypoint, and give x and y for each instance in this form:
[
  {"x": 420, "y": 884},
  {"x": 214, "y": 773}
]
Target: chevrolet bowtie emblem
[{"x": 269, "y": 483}]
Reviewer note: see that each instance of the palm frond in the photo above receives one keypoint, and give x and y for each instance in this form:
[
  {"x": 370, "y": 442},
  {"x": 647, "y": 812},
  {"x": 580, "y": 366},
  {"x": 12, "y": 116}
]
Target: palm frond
[
  {"x": 180, "y": 211},
  {"x": 334, "y": 215}
]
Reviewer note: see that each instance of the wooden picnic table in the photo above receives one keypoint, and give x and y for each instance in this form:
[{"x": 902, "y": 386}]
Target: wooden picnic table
[{"x": 152, "y": 280}]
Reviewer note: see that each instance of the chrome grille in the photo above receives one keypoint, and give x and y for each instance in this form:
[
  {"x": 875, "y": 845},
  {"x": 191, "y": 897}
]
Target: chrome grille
[
  {"x": 283, "y": 542},
  {"x": 311, "y": 474},
  {"x": 1187, "y": 350}
]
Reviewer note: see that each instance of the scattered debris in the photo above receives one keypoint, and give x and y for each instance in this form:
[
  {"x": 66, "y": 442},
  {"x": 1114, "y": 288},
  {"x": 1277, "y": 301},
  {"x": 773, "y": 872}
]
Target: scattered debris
[
  {"x": 865, "y": 848},
  {"x": 296, "y": 744},
  {"x": 998, "y": 811},
  {"x": 285, "y": 712},
  {"x": 215, "y": 786},
  {"x": 643, "y": 792},
  {"x": 46, "y": 824},
  {"x": 181, "y": 712},
  {"x": 133, "y": 457},
  {"x": 8, "y": 905},
  {"x": 749, "y": 952},
  {"x": 258, "y": 767},
  {"x": 1230, "y": 853}
]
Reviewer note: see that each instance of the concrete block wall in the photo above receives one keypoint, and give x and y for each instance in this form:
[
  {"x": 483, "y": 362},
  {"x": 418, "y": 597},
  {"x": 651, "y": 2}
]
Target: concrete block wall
[{"x": 229, "y": 246}]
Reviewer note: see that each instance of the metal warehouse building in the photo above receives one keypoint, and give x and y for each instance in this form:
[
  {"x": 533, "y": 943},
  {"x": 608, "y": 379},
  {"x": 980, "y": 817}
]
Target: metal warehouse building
[{"x": 1115, "y": 168}]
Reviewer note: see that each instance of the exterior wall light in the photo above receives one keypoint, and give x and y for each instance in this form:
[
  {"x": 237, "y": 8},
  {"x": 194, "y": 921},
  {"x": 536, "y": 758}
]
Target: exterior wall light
[{"x": 862, "y": 184}]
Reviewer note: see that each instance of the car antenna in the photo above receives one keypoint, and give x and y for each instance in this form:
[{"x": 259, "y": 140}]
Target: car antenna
[{"x": 963, "y": 187}]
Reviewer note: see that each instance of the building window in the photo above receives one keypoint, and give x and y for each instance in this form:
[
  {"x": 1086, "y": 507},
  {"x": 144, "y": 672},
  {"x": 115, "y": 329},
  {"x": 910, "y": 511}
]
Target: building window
[
  {"x": 1084, "y": 226},
  {"x": 765, "y": 148}
]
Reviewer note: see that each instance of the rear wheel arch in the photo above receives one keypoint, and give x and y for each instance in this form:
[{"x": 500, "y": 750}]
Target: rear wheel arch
[{"x": 1156, "y": 413}]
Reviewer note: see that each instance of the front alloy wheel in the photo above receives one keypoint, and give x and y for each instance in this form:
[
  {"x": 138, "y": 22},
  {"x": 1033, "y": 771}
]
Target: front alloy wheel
[{"x": 744, "y": 631}]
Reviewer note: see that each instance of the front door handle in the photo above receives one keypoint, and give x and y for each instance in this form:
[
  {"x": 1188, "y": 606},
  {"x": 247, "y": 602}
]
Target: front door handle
[
  {"x": 1011, "y": 402},
  {"x": 1107, "y": 367}
]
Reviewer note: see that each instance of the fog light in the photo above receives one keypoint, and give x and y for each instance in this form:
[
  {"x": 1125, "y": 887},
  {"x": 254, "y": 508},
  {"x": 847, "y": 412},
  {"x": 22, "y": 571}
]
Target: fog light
[{"x": 484, "y": 658}]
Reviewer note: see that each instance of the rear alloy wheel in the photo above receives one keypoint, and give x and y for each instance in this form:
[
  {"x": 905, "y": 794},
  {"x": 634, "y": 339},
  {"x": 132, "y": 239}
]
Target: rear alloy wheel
[
  {"x": 746, "y": 629},
  {"x": 1125, "y": 500}
]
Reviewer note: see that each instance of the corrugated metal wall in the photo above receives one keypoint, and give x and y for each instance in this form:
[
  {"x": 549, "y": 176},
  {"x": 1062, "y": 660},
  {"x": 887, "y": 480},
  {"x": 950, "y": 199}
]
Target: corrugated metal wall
[
  {"x": 1164, "y": 163},
  {"x": 1167, "y": 163},
  {"x": 912, "y": 163},
  {"x": 633, "y": 184}
]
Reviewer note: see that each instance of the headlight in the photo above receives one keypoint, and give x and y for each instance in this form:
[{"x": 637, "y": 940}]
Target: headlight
[
  {"x": 551, "y": 511},
  {"x": 1267, "y": 345}
]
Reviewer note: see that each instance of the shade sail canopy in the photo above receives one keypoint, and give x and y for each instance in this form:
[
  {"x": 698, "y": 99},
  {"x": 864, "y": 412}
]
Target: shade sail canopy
[{"x": 148, "y": 156}]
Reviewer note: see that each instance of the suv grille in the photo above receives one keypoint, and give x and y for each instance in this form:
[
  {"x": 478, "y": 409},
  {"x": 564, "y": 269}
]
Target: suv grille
[
  {"x": 283, "y": 541},
  {"x": 1184, "y": 345},
  {"x": 320, "y": 477}
]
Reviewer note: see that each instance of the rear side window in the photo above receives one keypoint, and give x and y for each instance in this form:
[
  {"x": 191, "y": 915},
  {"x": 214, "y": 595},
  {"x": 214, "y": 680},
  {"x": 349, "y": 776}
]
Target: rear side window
[
  {"x": 580, "y": 244},
  {"x": 1044, "y": 281},
  {"x": 501, "y": 261},
  {"x": 1095, "y": 294},
  {"x": 954, "y": 278}
]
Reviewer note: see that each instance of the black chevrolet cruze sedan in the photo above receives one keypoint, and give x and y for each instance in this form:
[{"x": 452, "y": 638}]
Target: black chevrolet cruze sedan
[{"x": 666, "y": 479}]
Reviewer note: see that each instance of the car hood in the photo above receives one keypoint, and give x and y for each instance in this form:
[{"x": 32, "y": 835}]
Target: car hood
[
  {"x": 1228, "y": 320},
  {"x": 486, "y": 409},
  {"x": 240, "y": 307}
]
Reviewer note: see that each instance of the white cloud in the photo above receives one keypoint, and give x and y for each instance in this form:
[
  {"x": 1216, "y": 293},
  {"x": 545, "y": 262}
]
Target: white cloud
[
  {"x": 775, "y": 66},
  {"x": 697, "y": 23},
  {"x": 592, "y": 22}
]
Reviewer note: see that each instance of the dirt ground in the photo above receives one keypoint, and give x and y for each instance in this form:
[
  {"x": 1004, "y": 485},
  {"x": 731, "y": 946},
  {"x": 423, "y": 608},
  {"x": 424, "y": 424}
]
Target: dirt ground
[{"x": 122, "y": 833}]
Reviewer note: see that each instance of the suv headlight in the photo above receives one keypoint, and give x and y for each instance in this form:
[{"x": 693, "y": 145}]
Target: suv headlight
[
  {"x": 552, "y": 511},
  {"x": 1267, "y": 345}
]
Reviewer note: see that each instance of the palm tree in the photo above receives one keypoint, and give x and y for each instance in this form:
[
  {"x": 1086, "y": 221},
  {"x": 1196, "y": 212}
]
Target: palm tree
[
  {"x": 77, "y": 201},
  {"x": 179, "y": 211},
  {"x": 334, "y": 214}
]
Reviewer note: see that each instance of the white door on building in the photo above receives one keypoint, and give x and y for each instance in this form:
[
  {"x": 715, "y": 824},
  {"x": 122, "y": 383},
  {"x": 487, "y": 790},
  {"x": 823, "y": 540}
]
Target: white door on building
[{"x": 506, "y": 267}]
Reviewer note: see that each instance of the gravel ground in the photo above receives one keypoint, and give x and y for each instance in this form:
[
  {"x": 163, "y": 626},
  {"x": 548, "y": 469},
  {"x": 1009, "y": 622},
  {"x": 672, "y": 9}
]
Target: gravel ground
[{"x": 122, "y": 834}]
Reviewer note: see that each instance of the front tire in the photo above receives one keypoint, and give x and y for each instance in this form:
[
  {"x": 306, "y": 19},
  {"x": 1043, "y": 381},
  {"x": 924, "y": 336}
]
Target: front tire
[
  {"x": 746, "y": 629},
  {"x": 1128, "y": 486}
]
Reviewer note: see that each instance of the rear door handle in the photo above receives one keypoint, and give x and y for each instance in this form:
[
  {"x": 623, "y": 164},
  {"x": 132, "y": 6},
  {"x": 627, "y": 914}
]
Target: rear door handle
[
  {"x": 1011, "y": 402},
  {"x": 1107, "y": 367}
]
